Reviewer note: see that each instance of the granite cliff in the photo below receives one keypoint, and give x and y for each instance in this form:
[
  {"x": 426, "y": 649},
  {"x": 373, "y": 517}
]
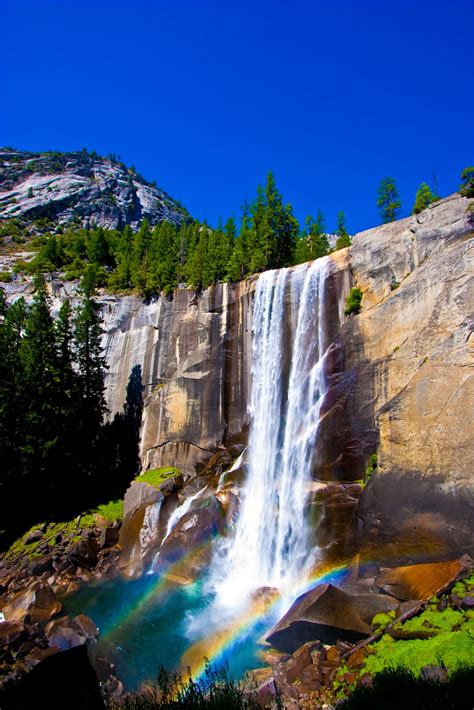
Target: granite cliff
[
  {"x": 78, "y": 189},
  {"x": 399, "y": 374}
]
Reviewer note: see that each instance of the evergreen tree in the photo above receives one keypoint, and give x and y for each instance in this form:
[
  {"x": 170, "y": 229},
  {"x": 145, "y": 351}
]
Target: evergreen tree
[
  {"x": 343, "y": 238},
  {"x": 98, "y": 251},
  {"x": 90, "y": 362},
  {"x": 121, "y": 278},
  {"x": 467, "y": 186},
  {"x": 198, "y": 261},
  {"x": 388, "y": 200},
  {"x": 40, "y": 394},
  {"x": 140, "y": 262},
  {"x": 424, "y": 197},
  {"x": 12, "y": 323},
  {"x": 316, "y": 236},
  {"x": 163, "y": 260}
]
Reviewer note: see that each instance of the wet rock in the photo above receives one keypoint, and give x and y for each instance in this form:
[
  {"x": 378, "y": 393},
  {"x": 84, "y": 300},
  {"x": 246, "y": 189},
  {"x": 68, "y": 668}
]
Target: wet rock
[
  {"x": 172, "y": 484},
  {"x": 33, "y": 536},
  {"x": 63, "y": 638},
  {"x": 421, "y": 581},
  {"x": 85, "y": 626},
  {"x": 328, "y": 614},
  {"x": 41, "y": 564},
  {"x": 12, "y": 634},
  {"x": 468, "y": 602},
  {"x": 266, "y": 692},
  {"x": 84, "y": 552},
  {"x": 109, "y": 537},
  {"x": 195, "y": 528},
  {"x": 455, "y": 600},
  {"x": 264, "y": 597},
  {"x": 141, "y": 500},
  {"x": 55, "y": 624},
  {"x": 35, "y": 604}
]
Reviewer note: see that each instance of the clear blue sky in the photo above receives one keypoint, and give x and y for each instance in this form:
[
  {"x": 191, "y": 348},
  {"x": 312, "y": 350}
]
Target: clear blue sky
[{"x": 206, "y": 96}]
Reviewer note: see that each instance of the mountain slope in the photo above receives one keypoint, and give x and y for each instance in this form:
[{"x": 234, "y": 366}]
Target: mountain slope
[{"x": 80, "y": 189}]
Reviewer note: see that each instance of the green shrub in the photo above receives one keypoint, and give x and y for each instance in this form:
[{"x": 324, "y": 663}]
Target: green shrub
[
  {"x": 424, "y": 197},
  {"x": 372, "y": 465},
  {"x": 467, "y": 186},
  {"x": 353, "y": 302}
]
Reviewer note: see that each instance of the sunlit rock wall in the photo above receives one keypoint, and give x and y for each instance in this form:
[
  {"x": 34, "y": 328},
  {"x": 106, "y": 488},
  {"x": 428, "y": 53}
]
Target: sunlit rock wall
[
  {"x": 194, "y": 352},
  {"x": 409, "y": 381}
]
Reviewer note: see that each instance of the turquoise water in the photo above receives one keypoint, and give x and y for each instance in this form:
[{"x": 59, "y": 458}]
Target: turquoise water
[{"x": 144, "y": 624}]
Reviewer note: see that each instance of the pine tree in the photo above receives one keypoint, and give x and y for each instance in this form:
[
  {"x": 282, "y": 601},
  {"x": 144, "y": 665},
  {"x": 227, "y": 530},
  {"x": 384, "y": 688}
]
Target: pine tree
[
  {"x": 388, "y": 200},
  {"x": 316, "y": 236},
  {"x": 424, "y": 197},
  {"x": 121, "y": 278},
  {"x": 198, "y": 260},
  {"x": 163, "y": 259},
  {"x": 40, "y": 394},
  {"x": 140, "y": 262},
  {"x": 98, "y": 251},
  {"x": 12, "y": 323},
  {"x": 90, "y": 363},
  {"x": 343, "y": 239},
  {"x": 467, "y": 186}
]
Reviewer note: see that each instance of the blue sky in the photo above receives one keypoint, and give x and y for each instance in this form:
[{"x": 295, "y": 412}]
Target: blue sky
[{"x": 206, "y": 96}]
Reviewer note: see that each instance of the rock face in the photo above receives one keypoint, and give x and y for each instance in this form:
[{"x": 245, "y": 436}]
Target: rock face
[
  {"x": 408, "y": 383},
  {"x": 399, "y": 381},
  {"x": 81, "y": 189},
  {"x": 194, "y": 354}
]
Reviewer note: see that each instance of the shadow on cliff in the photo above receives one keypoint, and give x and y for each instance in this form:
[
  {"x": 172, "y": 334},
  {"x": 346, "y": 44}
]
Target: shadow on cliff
[
  {"x": 347, "y": 434},
  {"x": 119, "y": 446},
  {"x": 406, "y": 517}
]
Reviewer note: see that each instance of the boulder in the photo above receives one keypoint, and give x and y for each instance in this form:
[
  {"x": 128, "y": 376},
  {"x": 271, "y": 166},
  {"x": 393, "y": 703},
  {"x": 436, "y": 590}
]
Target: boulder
[
  {"x": 33, "y": 536},
  {"x": 84, "y": 552},
  {"x": 85, "y": 626},
  {"x": 12, "y": 633},
  {"x": 37, "y": 603},
  {"x": 421, "y": 581},
  {"x": 142, "y": 503},
  {"x": 56, "y": 681},
  {"x": 193, "y": 530},
  {"x": 41, "y": 564},
  {"x": 109, "y": 536},
  {"x": 328, "y": 614},
  {"x": 64, "y": 637}
]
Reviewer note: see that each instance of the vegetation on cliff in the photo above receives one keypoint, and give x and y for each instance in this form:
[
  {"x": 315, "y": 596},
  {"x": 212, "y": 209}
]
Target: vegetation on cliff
[
  {"x": 57, "y": 455},
  {"x": 161, "y": 258}
]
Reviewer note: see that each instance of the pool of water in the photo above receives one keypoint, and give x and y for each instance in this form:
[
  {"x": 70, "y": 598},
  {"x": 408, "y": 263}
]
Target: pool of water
[{"x": 148, "y": 622}]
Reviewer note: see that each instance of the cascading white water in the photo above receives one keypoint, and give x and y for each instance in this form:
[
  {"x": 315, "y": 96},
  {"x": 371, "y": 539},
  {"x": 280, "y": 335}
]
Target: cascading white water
[
  {"x": 180, "y": 512},
  {"x": 271, "y": 546}
]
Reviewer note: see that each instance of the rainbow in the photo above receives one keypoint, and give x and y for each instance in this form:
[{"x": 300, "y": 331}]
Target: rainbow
[
  {"x": 159, "y": 585},
  {"x": 216, "y": 648}
]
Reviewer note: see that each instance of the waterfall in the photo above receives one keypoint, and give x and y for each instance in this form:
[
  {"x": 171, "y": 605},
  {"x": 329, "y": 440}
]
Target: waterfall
[
  {"x": 181, "y": 511},
  {"x": 270, "y": 545}
]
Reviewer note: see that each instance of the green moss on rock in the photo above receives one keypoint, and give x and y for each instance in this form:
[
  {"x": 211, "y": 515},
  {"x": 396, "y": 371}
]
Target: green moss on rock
[{"x": 157, "y": 476}]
